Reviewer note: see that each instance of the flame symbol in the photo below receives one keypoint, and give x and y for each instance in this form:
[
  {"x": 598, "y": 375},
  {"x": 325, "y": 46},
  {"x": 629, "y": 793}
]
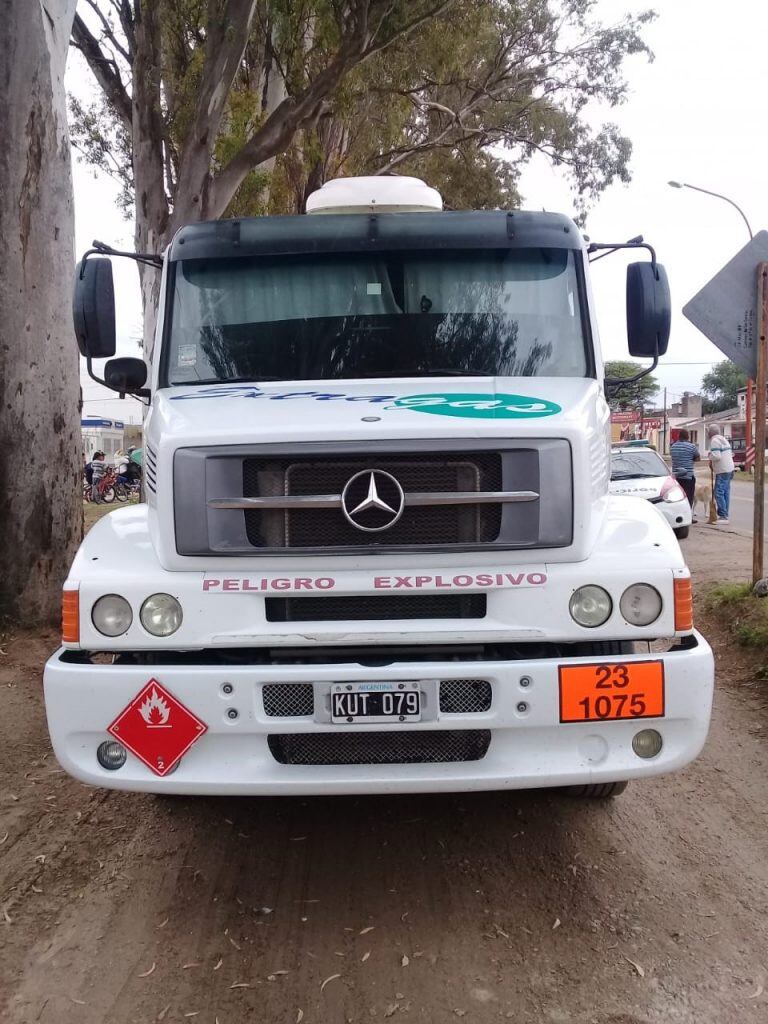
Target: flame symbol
[{"x": 154, "y": 710}]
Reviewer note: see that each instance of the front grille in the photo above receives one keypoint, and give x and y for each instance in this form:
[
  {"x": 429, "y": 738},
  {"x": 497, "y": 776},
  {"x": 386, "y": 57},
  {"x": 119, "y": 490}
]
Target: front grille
[
  {"x": 375, "y": 607},
  {"x": 323, "y": 528},
  {"x": 288, "y": 700},
  {"x": 465, "y": 696},
  {"x": 422, "y": 747}
]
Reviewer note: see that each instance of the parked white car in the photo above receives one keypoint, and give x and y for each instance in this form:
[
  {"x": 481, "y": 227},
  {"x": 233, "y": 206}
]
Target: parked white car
[{"x": 642, "y": 473}]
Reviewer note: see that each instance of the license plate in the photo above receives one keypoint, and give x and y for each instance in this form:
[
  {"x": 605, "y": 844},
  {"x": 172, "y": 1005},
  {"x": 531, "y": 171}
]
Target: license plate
[
  {"x": 610, "y": 691},
  {"x": 375, "y": 702}
]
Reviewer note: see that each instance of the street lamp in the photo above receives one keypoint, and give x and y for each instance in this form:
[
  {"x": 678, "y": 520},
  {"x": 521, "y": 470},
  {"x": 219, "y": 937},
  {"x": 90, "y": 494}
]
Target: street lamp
[{"x": 706, "y": 191}]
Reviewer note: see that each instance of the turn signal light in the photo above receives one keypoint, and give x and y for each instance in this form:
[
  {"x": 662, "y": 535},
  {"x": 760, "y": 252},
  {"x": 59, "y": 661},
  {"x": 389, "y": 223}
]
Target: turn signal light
[
  {"x": 683, "y": 605},
  {"x": 70, "y": 616}
]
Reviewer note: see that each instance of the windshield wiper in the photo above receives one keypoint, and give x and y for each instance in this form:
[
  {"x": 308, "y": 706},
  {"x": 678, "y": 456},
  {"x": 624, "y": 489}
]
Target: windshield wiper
[
  {"x": 631, "y": 476},
  {"x": 227, "y": 380},
  {"x": 439, "y": 372}
]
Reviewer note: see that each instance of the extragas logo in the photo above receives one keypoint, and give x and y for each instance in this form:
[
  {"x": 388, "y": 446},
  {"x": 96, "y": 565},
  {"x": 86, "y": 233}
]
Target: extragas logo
[{"x": 494, "y": 406}]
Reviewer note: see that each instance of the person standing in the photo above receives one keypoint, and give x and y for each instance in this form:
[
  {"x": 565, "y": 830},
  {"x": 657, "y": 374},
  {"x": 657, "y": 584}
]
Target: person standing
[
  {"x": 97, "y": 473},
  {"x": 684, "y": 453},
  {"x": 721, "y": 460}
]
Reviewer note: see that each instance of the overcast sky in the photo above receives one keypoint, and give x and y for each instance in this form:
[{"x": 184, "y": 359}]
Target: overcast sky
[{"x": 696, "y": 114}]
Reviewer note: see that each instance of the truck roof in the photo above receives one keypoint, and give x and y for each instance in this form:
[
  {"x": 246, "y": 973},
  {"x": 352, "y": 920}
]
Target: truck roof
[{"x": 357, "y": 232}]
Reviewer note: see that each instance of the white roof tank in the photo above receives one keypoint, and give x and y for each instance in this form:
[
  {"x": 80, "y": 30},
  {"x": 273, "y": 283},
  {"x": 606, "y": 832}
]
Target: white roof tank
[{"x": 375, "y": 194}]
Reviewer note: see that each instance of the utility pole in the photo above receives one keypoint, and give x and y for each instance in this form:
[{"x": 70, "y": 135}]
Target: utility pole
[
  {"x": 664, "y": 445},
  {"x": 758, "y": 540}
]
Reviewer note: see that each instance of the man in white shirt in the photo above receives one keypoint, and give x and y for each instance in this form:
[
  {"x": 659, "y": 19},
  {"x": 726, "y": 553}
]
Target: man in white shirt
[{"x": 721, "y": 459}]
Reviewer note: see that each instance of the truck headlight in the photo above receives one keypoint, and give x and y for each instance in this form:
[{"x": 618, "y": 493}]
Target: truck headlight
[
  {"x": 640, "y": 604},
  {"x": 112, "y": 615},
  {"x": 590, "y": 605},
  {"x": 161, "y": 615}
]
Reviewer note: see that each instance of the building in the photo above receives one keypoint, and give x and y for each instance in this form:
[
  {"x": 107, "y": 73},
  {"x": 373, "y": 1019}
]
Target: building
[{"x": 101, "y": 434}]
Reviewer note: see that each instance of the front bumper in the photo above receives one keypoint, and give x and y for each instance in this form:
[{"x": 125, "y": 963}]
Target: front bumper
[{"x": 529, "y": 748}]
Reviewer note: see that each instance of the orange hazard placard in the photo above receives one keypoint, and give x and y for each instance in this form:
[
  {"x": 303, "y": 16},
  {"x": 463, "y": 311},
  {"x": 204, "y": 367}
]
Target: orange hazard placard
[{"x": 611, "y": 690}]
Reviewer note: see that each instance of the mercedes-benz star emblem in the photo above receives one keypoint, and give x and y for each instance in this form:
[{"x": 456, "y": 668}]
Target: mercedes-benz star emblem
[{"x": 372, "y": 500}]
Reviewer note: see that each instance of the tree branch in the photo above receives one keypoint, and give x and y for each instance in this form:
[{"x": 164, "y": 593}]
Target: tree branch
[
  {"x": 105, "y": 71},
  {"x": 108, "y": 31}
]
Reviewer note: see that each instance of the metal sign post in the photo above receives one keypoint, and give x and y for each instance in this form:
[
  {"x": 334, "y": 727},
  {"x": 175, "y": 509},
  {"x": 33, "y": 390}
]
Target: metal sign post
[{"x": 760, "y": 410}]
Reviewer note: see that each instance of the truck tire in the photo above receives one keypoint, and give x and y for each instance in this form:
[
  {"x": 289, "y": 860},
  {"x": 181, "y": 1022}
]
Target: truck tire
[
  {"x": 681, "y": 532},
  {"x": 596, "y": 790}
]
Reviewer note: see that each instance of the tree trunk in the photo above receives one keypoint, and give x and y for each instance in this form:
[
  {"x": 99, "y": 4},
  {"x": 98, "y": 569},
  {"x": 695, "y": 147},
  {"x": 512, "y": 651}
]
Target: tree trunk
[{"x": 41, "y": 516}]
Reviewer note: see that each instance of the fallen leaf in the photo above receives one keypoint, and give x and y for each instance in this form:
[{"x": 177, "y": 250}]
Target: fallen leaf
[
  {"x": 187, "y": 966},
  {"x": 331, "y": 977},
  {"x": 218, "y": 965},
  {"x": 239, "y": 984},
  {"x": 40, "y": 858},
  {"x": 80, "y": 1002},
  {"x": 640, "y": 970},
  {"x": 36, "y": 888},
  {"x": 460, "y": 1013},
  {"x": 266, "y": 910},
  {"x": 365, "y": 956},
  {"x": 366, "y": 930},
  {"x": 392, "y": 1009},
  {"x": 164, "y": 923},
  {"x": 146, "y": 974},
  {"x": 277, "y": 974},
  {"x": 299, "y": 1017},
  {"x": 298, "y": 839},
  {"x": 556, "y": 924},
  {"x": 758, "y": 992},
  {"x": 7, "y": 917},
  {"x": 500, "y": 931},
  {"x": 405, "y": 961},
  {"x": 161, "y": 1015},
  {"x": 193, "y": 1013},
  {"x": 4, "y": 838},
  {"x": 233, "y": 942}
]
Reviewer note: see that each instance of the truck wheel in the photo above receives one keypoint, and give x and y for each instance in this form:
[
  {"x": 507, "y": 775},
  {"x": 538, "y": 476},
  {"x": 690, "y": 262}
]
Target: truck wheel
[
  {"x": 596, "y": 790},
  {"x": 682, "y": 532}
]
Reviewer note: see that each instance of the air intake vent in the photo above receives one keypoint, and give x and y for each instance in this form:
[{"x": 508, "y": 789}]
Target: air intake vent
[
  {"x": 375, "y": 607},
  {"x": 465, "y": 696},
  {"x": 288, "y": 700},
  {"x": 422, "y": 747},
  {"x": 150, "y": 468}
]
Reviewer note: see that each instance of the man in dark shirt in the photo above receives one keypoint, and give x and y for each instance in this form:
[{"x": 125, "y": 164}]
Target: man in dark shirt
[{"x": 684, "y": 454}]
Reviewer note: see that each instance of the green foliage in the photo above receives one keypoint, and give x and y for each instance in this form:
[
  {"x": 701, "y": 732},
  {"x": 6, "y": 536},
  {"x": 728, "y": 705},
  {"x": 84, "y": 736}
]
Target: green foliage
[
  {"x": 629, "y": 396},
  {"x": 721, "y": 384},
  {"x": 745, "y": 615},
  {"x": 464, "y": 100}
]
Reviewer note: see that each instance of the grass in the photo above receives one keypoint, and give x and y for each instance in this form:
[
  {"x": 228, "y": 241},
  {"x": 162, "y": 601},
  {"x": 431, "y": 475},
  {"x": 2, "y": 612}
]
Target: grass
[
  {"x": 92, "y": 513},
  {"x": 745, "y": 615}
]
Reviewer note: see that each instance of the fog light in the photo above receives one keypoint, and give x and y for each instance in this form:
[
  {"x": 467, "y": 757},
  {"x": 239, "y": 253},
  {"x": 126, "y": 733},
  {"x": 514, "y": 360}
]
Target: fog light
[
  {"x": 111, "y": 755},
  {"x": 640, "y": 604},
  {"x": 590, "y": 606},
  {"x": 161, "y": 615},
  {"x": 647, "y": 743},
  {"x": 112, "y": 615}
]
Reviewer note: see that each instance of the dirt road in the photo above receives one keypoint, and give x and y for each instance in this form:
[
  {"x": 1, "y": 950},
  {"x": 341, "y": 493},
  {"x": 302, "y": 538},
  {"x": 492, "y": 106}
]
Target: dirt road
[{"x": 525, "y": 907}]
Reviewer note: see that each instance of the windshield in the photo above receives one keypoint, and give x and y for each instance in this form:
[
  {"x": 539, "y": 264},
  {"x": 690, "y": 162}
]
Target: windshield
[
  {"x": 633, "y": 465},
  {"x": 329, "y": 316}
]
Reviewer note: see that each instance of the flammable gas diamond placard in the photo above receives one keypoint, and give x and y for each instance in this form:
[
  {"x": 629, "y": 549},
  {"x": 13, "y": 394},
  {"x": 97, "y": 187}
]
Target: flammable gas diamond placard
[{"x": 157, "y": 728}]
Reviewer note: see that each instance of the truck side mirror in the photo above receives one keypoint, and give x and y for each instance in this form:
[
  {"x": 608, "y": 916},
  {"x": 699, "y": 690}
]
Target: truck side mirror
[
  {"x": 127, "y": 375},
  {"x": 93, "y": 308},
  {"x": 649, "y": 310}
]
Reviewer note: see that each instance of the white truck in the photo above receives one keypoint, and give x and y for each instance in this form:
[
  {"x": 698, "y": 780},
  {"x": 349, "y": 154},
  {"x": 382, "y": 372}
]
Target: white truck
[{"x": 377, "y": 552}]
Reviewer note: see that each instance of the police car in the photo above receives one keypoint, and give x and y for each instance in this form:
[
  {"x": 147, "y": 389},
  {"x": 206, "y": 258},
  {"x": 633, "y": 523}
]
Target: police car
[{"x": 639, "y": 471}]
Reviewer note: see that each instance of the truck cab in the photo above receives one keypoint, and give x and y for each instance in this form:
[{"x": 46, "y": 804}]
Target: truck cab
[{"x": 378, "y": 551}]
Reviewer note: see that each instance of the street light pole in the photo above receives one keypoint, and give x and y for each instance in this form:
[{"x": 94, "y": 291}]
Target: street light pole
[
  {"x": 717, "y": 195},
  {"x": 750, "y": 383}
]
